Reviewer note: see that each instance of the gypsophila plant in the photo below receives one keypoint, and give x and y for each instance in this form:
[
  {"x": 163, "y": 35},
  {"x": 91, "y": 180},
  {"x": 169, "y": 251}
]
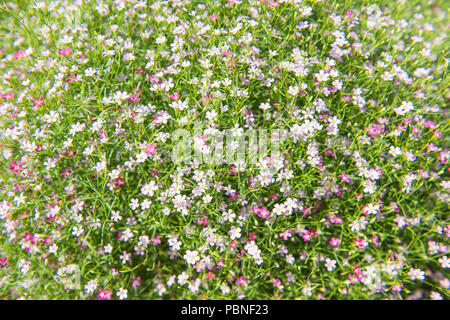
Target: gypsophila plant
[{"x": 265, "y": 149}]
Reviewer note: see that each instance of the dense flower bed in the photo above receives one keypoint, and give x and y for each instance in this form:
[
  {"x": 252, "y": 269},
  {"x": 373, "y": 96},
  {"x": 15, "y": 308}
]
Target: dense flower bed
[{"x": 224, "y": 150}]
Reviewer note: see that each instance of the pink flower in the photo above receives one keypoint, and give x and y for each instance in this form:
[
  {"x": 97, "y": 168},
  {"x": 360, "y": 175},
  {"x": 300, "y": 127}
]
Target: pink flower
[
  {"x": 274, "y": 196},
  {"x": 307, "y": 211},
  {"x": 199, "y": 266},
  {"x": 7, "y": 96},
  {"x": 104, "y": 294},
  {"x": 309, "y": 234},
  {"x": 286, "y": 234},
  {"x": 375, "y": 129},
  {"x": 335, "y": 242},
  {"x": 375, "y": 241},
  {"x": 156, "y": 240},
  {"x": 242, "y": 281},
  {"x": 233, "y": 197},
  {"x": 360, "y": 243},
  {"x": 174, "y": 96},
  {"x": 38, "y": 102},
  {"x": 213, "y": 17},
  {"x": 397, "y": 287},
  {"x": 205, "y": 99},
  {"x": 382, "y": 120},
  {"x": 447, "y": 230},
  {"x": 443, "y": 157},
  {"x": 329, "y": 152},
  {"x": 65, "y": 52},
  {"x": 3, "y": 262},
  {"x": 19, "y": 54},
  {"x": 432, "y": 147},
  {"x": 344, "y": 177},
  {"x": 134, "y": 98},
  {"x": 334, "y": 218},
  {"x": 151, "y": 149},
  {"x": 262, "y": 212},
  {"x": 276, "y": 282},
  {"x": 135, "y": 282}
]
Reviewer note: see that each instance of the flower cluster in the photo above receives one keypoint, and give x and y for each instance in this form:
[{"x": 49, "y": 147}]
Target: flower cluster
[{"x": 348, "y": 195}]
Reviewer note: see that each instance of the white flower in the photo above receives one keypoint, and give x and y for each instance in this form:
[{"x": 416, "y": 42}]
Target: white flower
[
  {"x": 369, "y": 186},
  {"x": 108, "y": 248},
  {"x": 404, "y": 108},
  {"x": 77, "y": 231},
  {"x": 195, "y": 285},
  {"x": 53, "y": 248},
  {"x": 24, "y": 266},
  {"x": 225, "y": 289},
  {"x": 90, "y": 287},
  {"x": 416, "y": 274},
  {"x": 264, "y": 106},
  {"x": 125, "y": 257},
  {"x": 52, "y": 117},
  {"x": 127, "y": 234},
  {"x": 180, "y": 105},
  {"x": 395, "y": 151},
  {"x": 293, "y": 90},
  {"x": 88, "y": 151},
  {"x": 445, "y": 261},
  {"x": 182, "y": 278},
  {"x": 191, "y": 257},
  {"x": 435, "y": 296},
  {"x": 100, "y": 166},
  {"x": 322, "y": 76},
  {"x": 134, "y": 204},
  {"x": 235, "y": 233},
  {"x": 252, "y": 249},
  {"x": 141, "y": 157},
  {"x": 161, "y": 39},
  {"x": 330, "y": 264},
  {"x": 89, "y": 72},
  {"x": 78, "y": 127},
  {"x": 145, "y": 204},
  {"x": 122, "y": 293},
  {"x": 149, "y": 188},
  {"x": 358, "y": 225},
  {"x": 67, "y": 143}
]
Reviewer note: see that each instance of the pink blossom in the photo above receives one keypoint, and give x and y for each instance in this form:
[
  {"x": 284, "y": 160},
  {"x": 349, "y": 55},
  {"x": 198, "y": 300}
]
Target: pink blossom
[
  {"x": 432, "y": 147},
  {"x": 277, "y": 283},
  {"x": 335, "y": 242},
  {"x": 174, "y": 96},
  {"x": 135, "y": 282},
  {"x": 286, "y": 234},
  {"x": 134, "y": 98},
  {"x": 3, "y": 262},
  {"x": 19, "y": 54},
  {"x": 104, "y": 294},
  {"x": 150, "y": 149},
  {"x": 344, "y": 177},
  {"x": 65, "y": 52},
  {"x": 156, "y": 240}
]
